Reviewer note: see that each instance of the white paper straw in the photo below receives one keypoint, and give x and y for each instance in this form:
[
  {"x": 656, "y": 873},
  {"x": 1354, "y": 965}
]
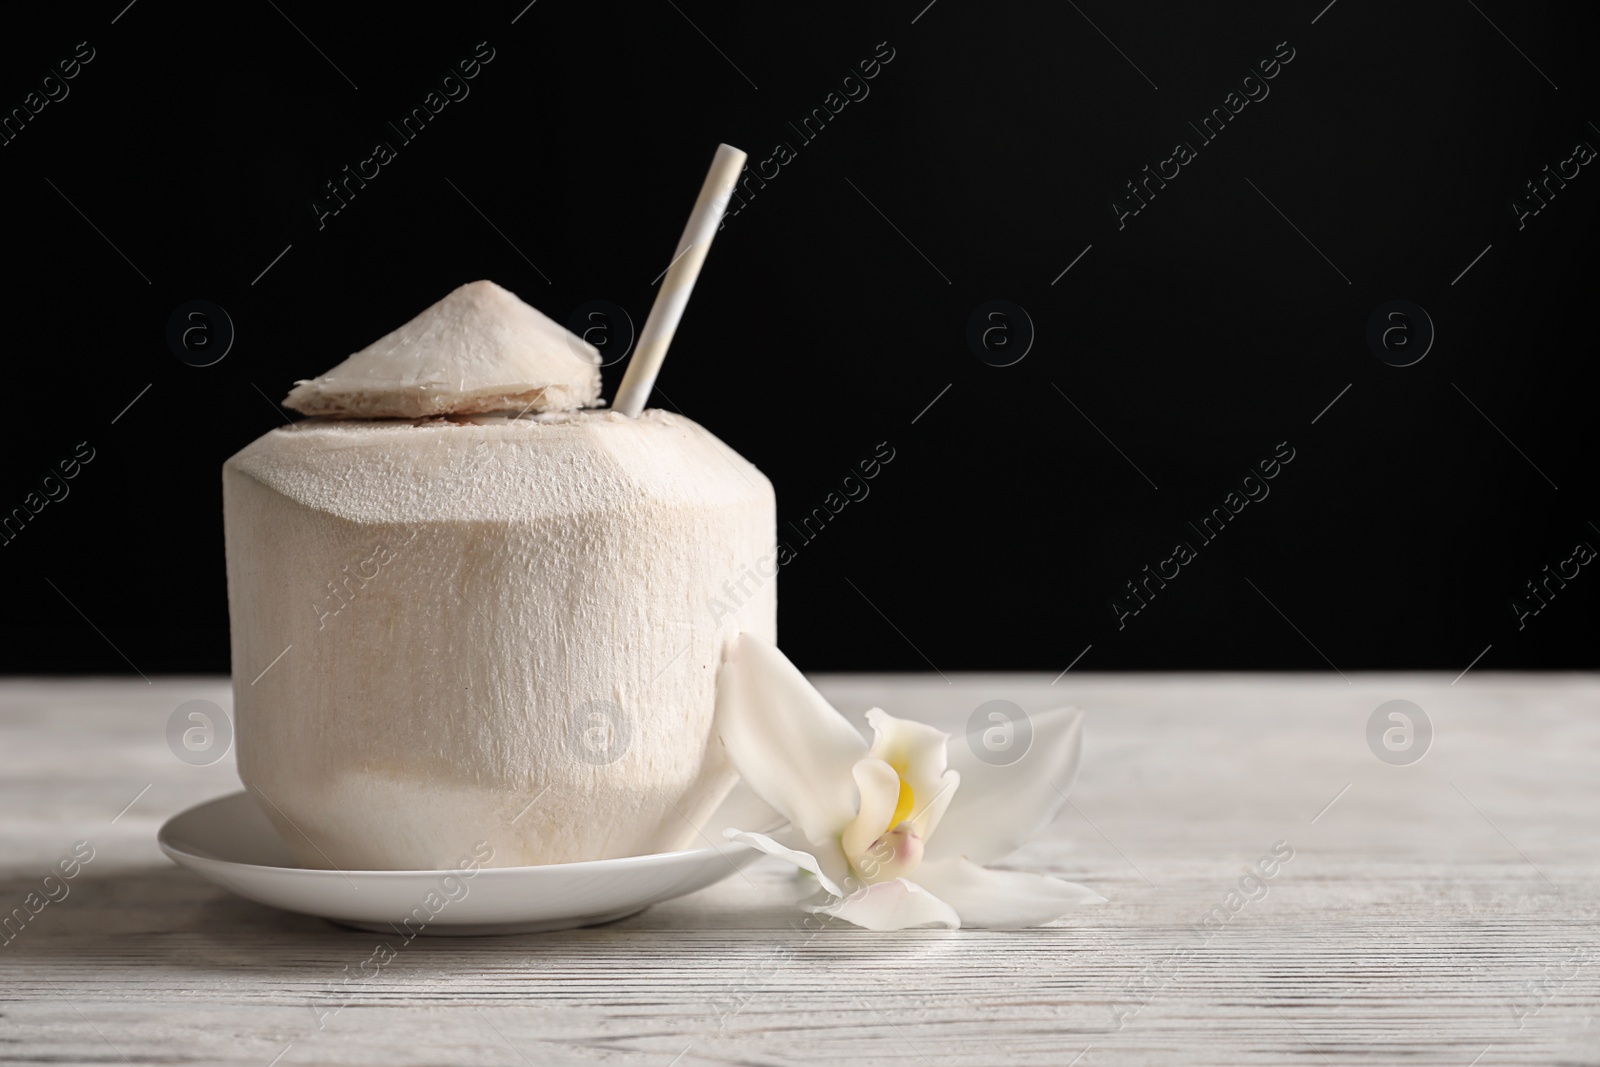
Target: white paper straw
[{"x": 687, "y": 259}]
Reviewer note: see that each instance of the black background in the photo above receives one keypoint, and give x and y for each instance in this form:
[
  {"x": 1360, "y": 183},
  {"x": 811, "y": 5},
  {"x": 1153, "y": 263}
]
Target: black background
[{"x": 1196, "y": 338}]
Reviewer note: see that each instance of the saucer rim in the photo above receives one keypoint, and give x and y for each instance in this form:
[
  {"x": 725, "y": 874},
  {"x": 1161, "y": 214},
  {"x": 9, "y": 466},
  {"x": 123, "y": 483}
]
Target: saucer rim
[{"x": 165, "y": 843}]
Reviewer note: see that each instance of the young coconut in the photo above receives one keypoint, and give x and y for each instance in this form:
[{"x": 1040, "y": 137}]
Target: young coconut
[{"x": 480, "y": 625}]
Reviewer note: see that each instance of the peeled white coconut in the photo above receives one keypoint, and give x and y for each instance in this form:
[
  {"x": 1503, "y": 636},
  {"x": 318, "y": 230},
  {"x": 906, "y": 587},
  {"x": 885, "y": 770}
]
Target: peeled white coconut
[
  {"x": 492, "y": 629},
  {"x": 479, "y": 349}
]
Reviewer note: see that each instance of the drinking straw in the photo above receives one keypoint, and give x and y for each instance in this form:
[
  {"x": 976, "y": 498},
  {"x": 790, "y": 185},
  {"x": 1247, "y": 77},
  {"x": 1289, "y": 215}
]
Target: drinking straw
[{"x": 681, "y": 273}]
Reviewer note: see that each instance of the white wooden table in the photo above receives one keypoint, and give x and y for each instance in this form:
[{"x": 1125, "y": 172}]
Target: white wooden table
[{"x": 1446, "y": 912}]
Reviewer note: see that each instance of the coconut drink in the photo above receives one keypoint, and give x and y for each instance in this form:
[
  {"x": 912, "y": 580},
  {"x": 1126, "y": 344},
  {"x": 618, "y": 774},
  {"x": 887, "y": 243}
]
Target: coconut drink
[{"x": 469, "y": 605}]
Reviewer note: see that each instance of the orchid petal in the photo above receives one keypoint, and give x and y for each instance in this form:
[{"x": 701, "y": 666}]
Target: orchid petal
[
  {"x": 930, "y": 811},
  {"x": 879, "y": 786},
  {"x": 1002, "y": 900},
  {"x": 916, "y": 750},
  {"x": 896, "y": 905},
  {"x": 787, "y": 742},
  {"x": 919, "y": 753},
  {"x": 817, "y": 865},
  {"x": 741, "y": 807},
  {"x": 999, "y": 808}
]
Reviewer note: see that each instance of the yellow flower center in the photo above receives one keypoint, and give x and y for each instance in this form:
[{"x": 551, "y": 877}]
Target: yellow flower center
[{"x": 903, "y": 806}]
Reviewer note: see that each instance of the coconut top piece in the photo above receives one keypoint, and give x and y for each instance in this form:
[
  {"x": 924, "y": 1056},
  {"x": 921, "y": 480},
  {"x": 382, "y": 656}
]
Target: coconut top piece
[{"x": 480, "y": 349}]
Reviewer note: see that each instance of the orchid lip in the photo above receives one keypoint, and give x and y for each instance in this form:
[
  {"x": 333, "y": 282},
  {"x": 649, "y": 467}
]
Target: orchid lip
[{"x": 894, "y": 855}]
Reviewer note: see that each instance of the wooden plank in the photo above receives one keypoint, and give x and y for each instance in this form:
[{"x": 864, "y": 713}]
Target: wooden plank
[{"x": 1445, "y": 912}]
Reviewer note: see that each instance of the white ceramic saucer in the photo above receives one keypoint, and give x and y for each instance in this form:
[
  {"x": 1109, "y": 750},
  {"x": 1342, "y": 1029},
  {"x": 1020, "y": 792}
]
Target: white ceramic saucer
[{"x": 230, "y": 843}]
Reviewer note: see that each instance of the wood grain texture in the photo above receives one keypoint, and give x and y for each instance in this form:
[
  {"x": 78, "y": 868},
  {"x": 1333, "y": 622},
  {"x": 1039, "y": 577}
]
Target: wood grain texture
[{"x": 1446, "y": 912}]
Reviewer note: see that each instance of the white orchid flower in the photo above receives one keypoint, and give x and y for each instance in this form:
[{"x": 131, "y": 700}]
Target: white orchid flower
[{"x": 898, "y": 833}]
